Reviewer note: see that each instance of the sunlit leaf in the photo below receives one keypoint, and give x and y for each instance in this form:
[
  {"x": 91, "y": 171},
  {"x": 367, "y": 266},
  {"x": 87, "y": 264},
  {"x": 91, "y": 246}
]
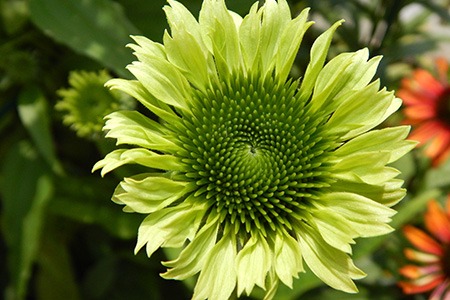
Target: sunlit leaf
[{"x": 96, "y": 28}]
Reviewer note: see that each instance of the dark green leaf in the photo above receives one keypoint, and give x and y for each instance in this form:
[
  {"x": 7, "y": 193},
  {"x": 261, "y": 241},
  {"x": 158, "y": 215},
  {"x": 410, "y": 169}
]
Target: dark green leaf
[
  {"x": 55, "y": 277},
  {"x": 14, "y": 14},
  {"x": 26, "y": 187},
  {"x": 34, "y": 114},
  {"x": 98, "y": 29},
  {"x": 111, "y": 218}
]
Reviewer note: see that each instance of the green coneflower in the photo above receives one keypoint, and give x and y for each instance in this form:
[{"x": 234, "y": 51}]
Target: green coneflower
[
  {"x": 250, "y": 172},
  {"x": 87, "y": 101}
]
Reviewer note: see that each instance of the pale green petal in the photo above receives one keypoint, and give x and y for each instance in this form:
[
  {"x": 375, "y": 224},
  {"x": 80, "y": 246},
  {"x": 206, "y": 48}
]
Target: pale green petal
[
  {"x": 344, "y": 74},
  {"x": 220, "y": 36},
  {"x": 178, "y": 16},
  {"x": 395, "y": 105},
  {"x": 390, "y": 139},
  {"x": 135, "y": 89},
  {"x": 389, "y": 193},
  {"x": 139, "y": 156},
  {"x": 236, "y": 18},
  {"x": 364, "y": 215},
  {"x": 363, "y": 110},
  {"x": 393, "y": 192},
  {"x": 192, "y": 259},
  {"x": 185, "y": 48},
  {"x": 249, "y": 37},
  {"x": 147, "y": 48},
  {"x": 163, "y": 80},
  {"x": 276, "y": 16},
  {"x": 217, "y": 279},
  {"x": 184, "y": 52},
  {"x": 290, "y": 40},
  {"x": 369, "y": 167},
  {"x": 270, "y": 39},
  {"x": 147, "y": 193},
  {"x": 333, "y": 266},
  {"x": 252, "y": 263},
  {"x": 133, "y": 128},
  {"x": 334, "y": 228},
  {"x": 273, "y": 284},
  {"x": 288, "y": 258},
  {"x": 169, "y": 227},
  {"x": 318, "y": 55}
]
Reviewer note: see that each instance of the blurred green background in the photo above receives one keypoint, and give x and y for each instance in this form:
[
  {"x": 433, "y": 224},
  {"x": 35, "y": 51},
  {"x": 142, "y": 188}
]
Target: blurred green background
[{"x": 60, "y": 235}]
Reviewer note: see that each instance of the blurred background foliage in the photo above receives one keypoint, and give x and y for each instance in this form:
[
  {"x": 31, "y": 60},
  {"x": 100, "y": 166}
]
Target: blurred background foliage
[{"x": 60, "y": 235}]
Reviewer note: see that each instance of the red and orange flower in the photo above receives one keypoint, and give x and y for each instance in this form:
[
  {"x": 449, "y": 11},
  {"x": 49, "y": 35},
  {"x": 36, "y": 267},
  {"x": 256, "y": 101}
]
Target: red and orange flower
[
  {"x": 427, "y": 101},
  {"x": 432, "y": 255}
]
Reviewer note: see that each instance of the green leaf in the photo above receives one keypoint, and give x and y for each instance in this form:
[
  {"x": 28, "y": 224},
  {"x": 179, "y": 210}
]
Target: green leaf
[
  {"x": 440, "y": 10},
  {"x": 55, "y": 278},
  {"x": 33, "y": 112},
  {"x": 123, "y": 226},
  {"x": 25, "y": 191},
  {"x": 87, "y": 200},
  {"x": 98, "y": 29},
  {"x": 14, "y": 14},
  {"x": 438, "y": 177}
]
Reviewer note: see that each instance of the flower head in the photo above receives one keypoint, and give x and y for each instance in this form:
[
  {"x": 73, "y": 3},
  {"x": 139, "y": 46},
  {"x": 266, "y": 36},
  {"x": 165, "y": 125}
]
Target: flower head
[
  {"x": 250, "y": 172},
  {"x": 87, "y": 101},
  {"x": 427, "y": 101},
  {"x": 433, "y": 271}
]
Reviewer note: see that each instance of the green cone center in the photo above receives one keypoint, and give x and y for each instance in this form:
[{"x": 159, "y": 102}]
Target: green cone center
[{"x": 254, "y": 152}]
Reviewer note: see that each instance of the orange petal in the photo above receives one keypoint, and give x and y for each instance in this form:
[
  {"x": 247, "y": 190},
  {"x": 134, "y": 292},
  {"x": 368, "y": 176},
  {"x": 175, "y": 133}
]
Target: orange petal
[
  {"x": 422, "y": 240},
  {"x": 421, "y": 285},
  {"x": 447, "y": 205},
  {"x": 420, "y": 112},
  {"x": 442, "y": 67},
  {"x": 410, "y": 97},
  {"x": 439, "y": 144},
  {"x": 415, "y": 272},
  {"x": 421, "y": 257},
  {"x": 428, "y": 83},
  {"x": 424, "y": 132},
  {"x": 437, "y": 222}
]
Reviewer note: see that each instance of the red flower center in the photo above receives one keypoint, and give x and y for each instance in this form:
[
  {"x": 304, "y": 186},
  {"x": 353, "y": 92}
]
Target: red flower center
[{"x": 443, "y": 107}]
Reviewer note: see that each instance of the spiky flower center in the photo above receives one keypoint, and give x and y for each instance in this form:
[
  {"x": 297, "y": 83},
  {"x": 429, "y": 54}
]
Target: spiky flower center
[{"x": 255, "y": 153}]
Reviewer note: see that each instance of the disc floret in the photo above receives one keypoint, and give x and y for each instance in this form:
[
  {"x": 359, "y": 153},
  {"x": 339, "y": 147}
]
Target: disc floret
[{"x": 255, "y": 154}]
